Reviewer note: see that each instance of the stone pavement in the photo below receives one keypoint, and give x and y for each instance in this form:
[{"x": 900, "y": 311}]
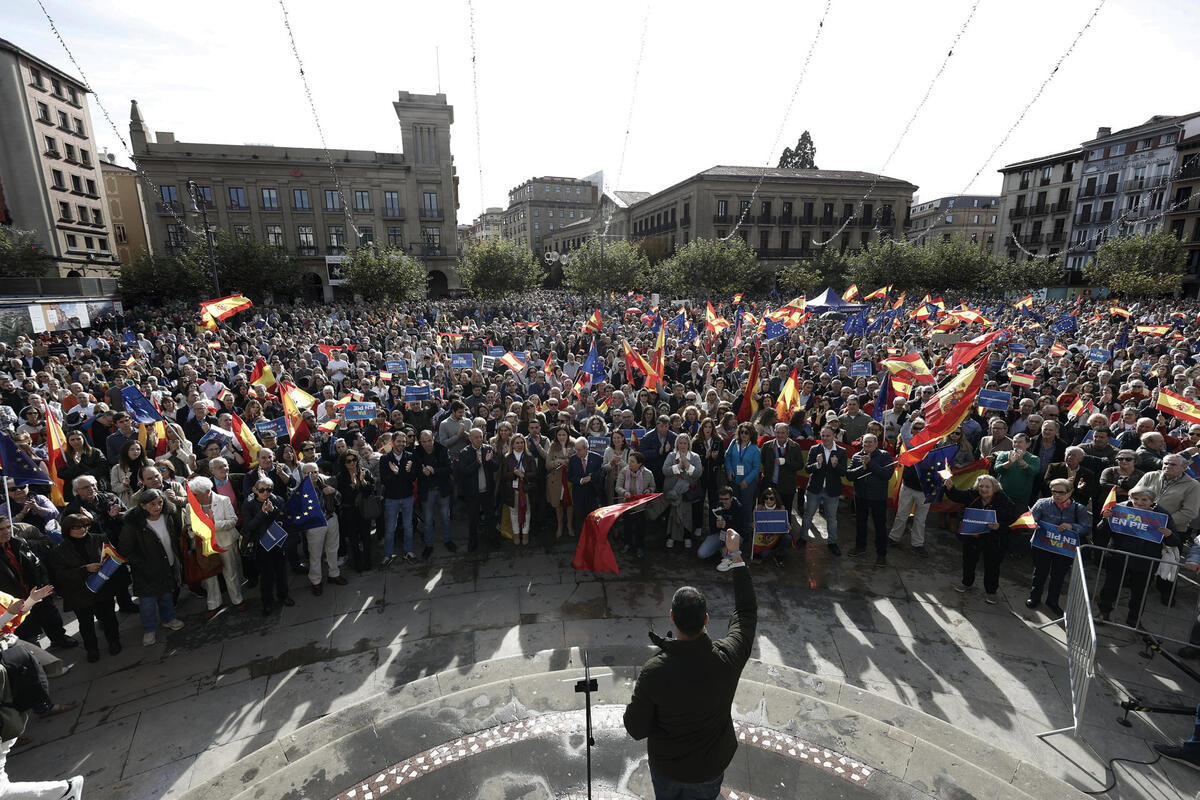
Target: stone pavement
[{"x": 154, "y": 722}]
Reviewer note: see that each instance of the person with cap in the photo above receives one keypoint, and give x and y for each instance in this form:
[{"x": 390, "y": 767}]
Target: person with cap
[
  {"x": 681, "y": 701},
  {"x": 150, "y": 540}
]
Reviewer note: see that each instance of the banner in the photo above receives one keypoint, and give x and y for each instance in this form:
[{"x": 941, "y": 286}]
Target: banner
[
  {"x": 359, "y": 411},
  {"x": 275, "y": 426},
  {"x": 396, "y": 366},
  {"x": 861, "y": 368},
  {"x": 597, "y": 444},
  {"x": 1099, "y": 355},
  {"x": 990, "y": 398},
  {"x": 769, "y": 527},
  {"x": 414, "y": 394},
  {"x": 1048, "y": 537},
  {"x": 462, "y": 361},
  {"x": 1144, "y": 524},
  {"x": 976, "y": 520},
  {"x": 494, "y": 351}
]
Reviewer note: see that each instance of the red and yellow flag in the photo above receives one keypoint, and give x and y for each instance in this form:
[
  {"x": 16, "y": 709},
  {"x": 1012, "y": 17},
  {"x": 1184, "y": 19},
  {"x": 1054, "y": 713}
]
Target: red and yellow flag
[
  {"x": 789, "y": 398},
  {"x": 297, "y": 430},
  {"x": 1153, "y": 330},
  {"x": 262, "y": 375},
  {"x": 749, "y": 403},
  {"x": 658, "y": 368},
  {"x": 246, "y": 438},
  {"x": 1117, "y": 311},
  {"x": 202, "y": 526},
  {"x": 1024, "y": 302},
  {"x": 1057, "y": 349},
  {"x": 595, "y": 323},
  {"x": 300, "y": 398},
  {"x": 1109, "y": 501},
  {"x": 879, "y": 294},
  {"x": 1177, "y": 405},
  {"x": 225, "y": 307},
  {"x": 910, "y": 366},
  {"x": 946, "y": 410},
  {"x": 1021, "y": 379},
  {"x": 56, "y": 445},
  {"x": 1025, "y": 521},
  {"x": 851, "y": 293}
]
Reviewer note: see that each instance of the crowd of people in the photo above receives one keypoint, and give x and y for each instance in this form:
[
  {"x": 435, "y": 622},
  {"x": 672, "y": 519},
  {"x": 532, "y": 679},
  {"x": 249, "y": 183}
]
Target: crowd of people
[{"x": 521, "y": 417}]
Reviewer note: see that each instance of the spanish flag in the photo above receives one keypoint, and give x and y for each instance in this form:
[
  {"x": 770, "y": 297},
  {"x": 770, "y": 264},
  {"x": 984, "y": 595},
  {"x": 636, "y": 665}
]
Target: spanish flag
[
  {"x": 737, "y": 298},
  {"x": 300, "y": 398},
  {"x": 634, "y": 359},
  {"x": 899, "y": 304},
  {"x": 225, "y": 307},
  {"x": 910, "y": 366},
  {"x": 595, "y": 323},
  {"x": 1021, "y": 379},
  {"x": 789, "y": 397},
  {"x": 654, "y": 378},
  {"x": 1177, "y": 405},
  {"x": 1109, "y": 501},
  {"x": 56, "y": 445},
  {"x": 108, "y": 551},
  {"x": 245, "y": 437},
  {"x": 1025, "y": 521},
  {"x": 1057, "y": 349},
  {"x": 1117, "y": 311},
  {"x": 202, "y": 526},
  {"x": 512, "y": 361},
  {"x": 130, "y": 362},
  {"x": 749, "y": 403},
  {"x": 215, "y": 344},
  {"x": 7, "y": 600},
  {"x": 207, "y": 321},
  {"x": 1024, "y": 302},
  {"x": 547, "y": 367},
  {"x": 262, "y": 375},
  {"x": 1153, "y": 330},
  {"x": 946, "y": 410}
]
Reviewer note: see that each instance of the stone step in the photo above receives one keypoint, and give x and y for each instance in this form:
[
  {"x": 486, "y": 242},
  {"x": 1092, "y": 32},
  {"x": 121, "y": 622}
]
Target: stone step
[{"x": 897, "y": 751}]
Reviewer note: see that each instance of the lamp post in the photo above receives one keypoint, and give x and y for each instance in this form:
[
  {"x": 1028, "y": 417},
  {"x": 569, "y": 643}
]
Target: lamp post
[{"x": 202, "y": 207}]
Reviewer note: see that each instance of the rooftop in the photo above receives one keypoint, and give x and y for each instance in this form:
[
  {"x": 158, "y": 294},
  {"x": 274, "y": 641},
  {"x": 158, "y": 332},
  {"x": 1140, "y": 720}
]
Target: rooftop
[
  {"x": 819, "y": 175},
  {"x": 12, "y": 48},
  {"x": 1055, "y": 158}
]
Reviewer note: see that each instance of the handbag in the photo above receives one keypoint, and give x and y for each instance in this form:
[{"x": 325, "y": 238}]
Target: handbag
[
  {"x": 694, "y": 492},
  {"x": 370, "y": 507},
  {"x": 197, "y": 568}
]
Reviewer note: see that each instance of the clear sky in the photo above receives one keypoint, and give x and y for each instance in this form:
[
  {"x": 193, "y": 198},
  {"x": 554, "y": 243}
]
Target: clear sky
[{"x": 556, "y": 79}]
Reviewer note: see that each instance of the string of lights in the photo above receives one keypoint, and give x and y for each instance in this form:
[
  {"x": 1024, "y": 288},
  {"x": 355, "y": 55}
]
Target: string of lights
[
  {"x": 349, "y": 210},
  {"x": 904, "y": 133},
  {"x": 475, "y": 97},
  {"x": 637, "y": 72},
  {"x": 787, "y": 112},
  {"x": 154, "y": 188}
]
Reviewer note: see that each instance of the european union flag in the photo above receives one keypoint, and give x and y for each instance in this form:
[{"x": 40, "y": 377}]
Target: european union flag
[
  {"x": 1067, "y": 324},
  {"x": 931, "y": 482},
  {"x": 127, "y": 337},
  {"x": 17, "y": 464},
  {"x": 832, "y": 367},
  {"x": 302, "y": 511},
  {"x": 883, "y": 400},
  {"x": 139, "y": 407},
  {"x": 680, "y": 321},
  {"x": 774, "y": 330},
  {"x": 1123, "y": 339}
]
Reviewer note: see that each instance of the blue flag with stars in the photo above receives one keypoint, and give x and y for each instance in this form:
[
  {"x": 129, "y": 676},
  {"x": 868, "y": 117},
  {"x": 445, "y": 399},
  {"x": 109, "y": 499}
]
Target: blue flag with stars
[
  {"x": 18, "y": 465},
  {"x": 302, "y": 511},
  {"x": 832, "y": 367}
]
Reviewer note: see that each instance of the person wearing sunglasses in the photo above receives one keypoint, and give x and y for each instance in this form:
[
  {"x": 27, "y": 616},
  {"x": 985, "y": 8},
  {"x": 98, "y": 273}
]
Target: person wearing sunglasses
[
  {"x": 1122, "y": 477},
  {"x": 1070, "y": 520},
  {"x": 262, "y": 508}
]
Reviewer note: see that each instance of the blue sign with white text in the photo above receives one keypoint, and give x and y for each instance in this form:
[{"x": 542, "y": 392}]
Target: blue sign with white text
[
  {"x": 1148, "y": 525},
  {"x": 462, "y": 361}
]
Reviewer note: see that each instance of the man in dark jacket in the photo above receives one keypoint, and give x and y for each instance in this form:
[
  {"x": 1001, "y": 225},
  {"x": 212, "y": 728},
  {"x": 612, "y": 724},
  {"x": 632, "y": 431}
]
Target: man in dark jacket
[
  {"x": 20, "y": 573},
  {"x": 782, "y": 458},
  {"x": 870, "y": 469},
  {"x": 656, "y": 445},
  {"x": 435, "y": 487},
  {"x": 682, "y": 697},
  {"x": 826, "y": 465},
  {"x": 476, "y": 477}
]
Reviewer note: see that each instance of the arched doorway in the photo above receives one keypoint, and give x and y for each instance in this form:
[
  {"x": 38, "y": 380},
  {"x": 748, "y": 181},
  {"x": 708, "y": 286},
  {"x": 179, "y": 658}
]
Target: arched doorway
[
  {"x": 74, "y": 274},
  {"x": 438, "y": 285},
  {"x": 312, "y": 289}
]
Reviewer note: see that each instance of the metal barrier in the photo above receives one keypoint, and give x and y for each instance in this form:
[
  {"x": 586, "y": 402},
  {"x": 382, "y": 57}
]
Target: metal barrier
[{"x": 1081, "y": 644}]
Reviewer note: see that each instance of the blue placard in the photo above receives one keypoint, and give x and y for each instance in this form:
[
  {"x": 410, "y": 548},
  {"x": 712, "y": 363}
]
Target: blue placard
[
  {"x": 990, "y": 398},
  {"x": 1098, "y": 355},
  {"x": 1017, "y": 347},
  {"x": 1048, "y": 537},
  {"x": 976, "y": 520},
  {"x": 597, "y": 443},
  {"x": 1051, "y": 309},
  {"x": 215, "y": 434},
  {"x": 1044, "y": 341},
  {"x": 494, "y": 351},
  {"x": 1148, "y": 525},
  {"x": 636, "y": 433},
  {"x": 398, "y": 365},
  {"x": 462, "y": 361},
  {"x": 273, "y": 537},
  {"x": 275, "y": 426},
  {"x": 359, "y": 410},
  {"x": 1193, "y": 467},
  {"x": 413, "y": 394},
  {"x": 860, "y": 368},
  {"x": 770, "y": 522}
]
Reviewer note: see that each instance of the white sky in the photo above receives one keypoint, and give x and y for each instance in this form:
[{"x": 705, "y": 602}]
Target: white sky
[{"x": 555, "y": 79}]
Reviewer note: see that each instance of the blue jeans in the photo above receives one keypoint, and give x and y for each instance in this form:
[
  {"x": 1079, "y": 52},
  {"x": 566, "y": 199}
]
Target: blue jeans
[
  {"x": 813, "y": 500},
  {"x": 667, "y": 788},
  {"x": 392, "y": 507},
  {"x": 442, "y": 502},
  {"x": 156, "y": 610},
  {"x": 711, "y": 544},
  {"x": 746, "y": 496}
]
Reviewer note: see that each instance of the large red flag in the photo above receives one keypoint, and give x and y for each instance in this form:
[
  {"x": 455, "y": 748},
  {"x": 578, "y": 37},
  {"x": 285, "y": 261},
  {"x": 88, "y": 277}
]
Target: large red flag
[
  {"x": 593, "y": 551},
  {"x": 750, "y": 394},
  {"x": 945, "y": 411}
]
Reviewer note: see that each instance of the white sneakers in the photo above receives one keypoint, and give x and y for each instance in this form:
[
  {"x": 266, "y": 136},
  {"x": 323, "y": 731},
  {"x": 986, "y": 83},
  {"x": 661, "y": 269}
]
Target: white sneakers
[
  {"x": 173, "y": 625},
  {"x": 74, "y": 788},
  {"x": 687, "y": 544},
  {"x": 148, "y": 639},
  {"x": 670, "y": 544},
  {"x": 725, "y": 565}
]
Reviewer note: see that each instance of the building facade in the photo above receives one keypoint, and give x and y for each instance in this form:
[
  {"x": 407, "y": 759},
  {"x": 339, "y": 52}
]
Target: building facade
[
  {"x": 972, "y": 217},
  {"x": 126, "y": 211},
  {"x": 287, "y": 197},
  {"x": 610, "y": 220},
  {"x": 1036, "y": 204},
  {"x": 1183, "y": 217},
  {"x": 49, "y": 165},
  {"x": 487, "y": 226},
  {"x": 539, "y": 206},
  {"x": 1125, "y": 182}
]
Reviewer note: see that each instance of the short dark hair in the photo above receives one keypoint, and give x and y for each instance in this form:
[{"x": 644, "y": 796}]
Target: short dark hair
[{"x": 688, "y": 609}]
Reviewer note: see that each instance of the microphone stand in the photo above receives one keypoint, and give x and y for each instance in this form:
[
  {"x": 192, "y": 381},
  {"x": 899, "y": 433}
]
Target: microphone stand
[{"x": 586, "y": 687}]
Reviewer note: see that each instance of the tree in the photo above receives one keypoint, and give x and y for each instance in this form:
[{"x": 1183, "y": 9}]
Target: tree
[
  {"x": 1145, "y": 264},
  {"x": 245, "y": 266},
  {"x": 158, "y": 279},
  {"x": 799, "y": 278},
  {"x": 711, "y": 266},
  {"x": 384, "y": 273},
  {"x": 498, "y": 267},
  {"x": 804, "y": 156},
  {"x": 20, "y": 254},
  {"x": 625, "y": 268}
]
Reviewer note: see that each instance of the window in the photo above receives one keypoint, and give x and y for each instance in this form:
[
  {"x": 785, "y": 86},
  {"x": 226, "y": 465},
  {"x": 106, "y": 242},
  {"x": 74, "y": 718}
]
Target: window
[
  {"x": 270, "y": 202},
  {"x": 35, "y": 75},
  {"x": 429, "y": 204},
  {"x": 558, "y": 190},
  {"x": 395, "y": 237},
  {"x": 237, "y": 197},
  {"x": 59, "y": 180},
  {"x": 949, "y": 218},
  {"x": 103, "y": 244},
  {"x": 537, "y": 212},
  {"x": 1145, "y": 144},
  {"x": 766, "y": 208},
  {"x": 1096, "y": 154},
  {"x": 1046, "y": 174},
  {"x": 1117, "y": 150},
  {"x": 43, "y": 112},
  {"x": 51, "y": 146},
  {"x": 64, "y": 211},
  {"x": 76, "y": 184},
  {"x": 337, "y": 238},
  {"x": 78, "y": 125},
  {"x": 69, "y": 149},
  {"x": 366, "y": 234},
  {"x": 119, "y": 230},
  {"x": 431, "y": 236},
  {"x": 72, "y": 241},
  {"x": 391, "y": 204},
  {"x": 84, "y": 216},
  {"x": 362, "y": 200},
  {"x": 974, "y": 219},
  {"x": 1167, "y": 138},
  {"x": 89, "y": 243},
  {"x": 333, "y": 202},
  {"x": 74, "y": 95},
  {"x": 537, "y": 226},
  {"x": 1069, "y": 172},
  {"x": 306, "y": 240},
  {"x": 301, "y": 200},
  {"x": 56, "y": 85},
  {"x": 275, "y": 235},
  {"x": 241, "y": 233},
  {"x": 204, "y": 196}
]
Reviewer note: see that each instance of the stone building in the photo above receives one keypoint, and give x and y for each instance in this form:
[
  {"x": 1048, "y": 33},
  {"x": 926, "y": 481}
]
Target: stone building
[
  {"x": 972, "y": 217},
  {"x": 1037, "y": 198}
]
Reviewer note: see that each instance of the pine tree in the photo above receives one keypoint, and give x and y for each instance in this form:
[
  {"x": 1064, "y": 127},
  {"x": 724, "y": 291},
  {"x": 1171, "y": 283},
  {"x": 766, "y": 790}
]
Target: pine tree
[{"x": 804, "y": 156}]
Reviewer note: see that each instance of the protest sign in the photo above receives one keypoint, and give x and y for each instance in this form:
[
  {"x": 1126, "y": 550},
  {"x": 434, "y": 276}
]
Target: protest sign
[
  {"x": 1143, "y": 524},
  {"x": 1049, "y": 538},
  {"x": 976, "y": 520},
  {"x": 462, "y": 361},
  {"x": 359, "y": 411}
]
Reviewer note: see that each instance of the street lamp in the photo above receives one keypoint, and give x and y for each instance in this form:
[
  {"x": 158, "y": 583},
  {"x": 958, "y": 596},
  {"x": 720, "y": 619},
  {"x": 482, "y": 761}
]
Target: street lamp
[{"x": 202, "y": 207}]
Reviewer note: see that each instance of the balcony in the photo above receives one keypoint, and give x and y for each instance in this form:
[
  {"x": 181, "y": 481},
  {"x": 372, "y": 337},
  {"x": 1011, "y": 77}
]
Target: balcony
[
  {"x": 306, "y": 250},
  {"x": 828, "y": 219},
  {"x": 1191, "y": 171},
  {"x": 1088, "y": 191},
  {"x": 1102, "y": 216},
  {"x": 685, "y": 222},
  {"x": 807, "y": 219},
  {"x": 1032, "y": 240},
  {"x": 1109, "y": 188},
  {"x": 1155, "y": 181},
  {"x": 431, "y": 213},
  {"x": 765, "y": 219},
  {"x": 427, "y": 250},
  {"x": 301, "y": 209},
  {"x": 1023, "y": 186},
  {"x": 336, "y": 250},
  {"x": 174, "y": 208},
  {"x": 239, "y": 208},
  {"x": 1061, "y": 207},
  {"x": 787, "y": 219},
  {"x": 722, "y": 219},
  {"x": 1039, "y": 209},
  {"x": 393, "y": 212},
  {"x": 1057, "y": 237},
  {"x": 777, "y": 252},
  {"x": 1017, "y": 213}
]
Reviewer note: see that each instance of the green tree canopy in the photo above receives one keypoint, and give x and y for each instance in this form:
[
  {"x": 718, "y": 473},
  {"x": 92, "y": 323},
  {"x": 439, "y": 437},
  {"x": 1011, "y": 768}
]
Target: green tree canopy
[
  {"x": 20, "y": 254},
  {"x": 498, "y": 267},
  {"x": 711, "y": 266},
  {"x": 247, "y": 266},
  {"x": 157, "y": 279},
  {"x": 803, "y": 156},
  {"x": 1145, "y": 264},
  {"x": 384, "y": 273},
  {"x": 625, "y": 268}
]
